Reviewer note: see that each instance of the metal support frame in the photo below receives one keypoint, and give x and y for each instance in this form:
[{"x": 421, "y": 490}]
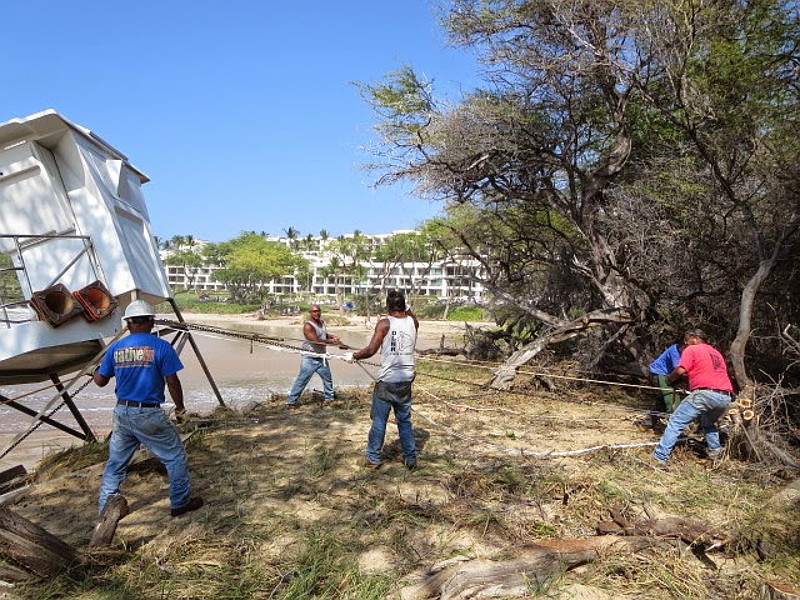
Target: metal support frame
[
  {"x": 88, "y": 433},
  {"x": 197, "y": 353},
  {"x": 88, "y": 251},
  {"x": 44, "y": 419}
]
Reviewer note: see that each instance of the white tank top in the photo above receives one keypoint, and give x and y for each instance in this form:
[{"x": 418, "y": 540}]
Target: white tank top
[
  {"x": 397, "y": 351},
  {"x": 322, "y": 334}
]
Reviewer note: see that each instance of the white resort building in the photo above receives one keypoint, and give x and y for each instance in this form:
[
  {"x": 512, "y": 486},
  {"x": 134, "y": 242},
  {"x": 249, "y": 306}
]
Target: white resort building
[{"x": 453, "y": 279}]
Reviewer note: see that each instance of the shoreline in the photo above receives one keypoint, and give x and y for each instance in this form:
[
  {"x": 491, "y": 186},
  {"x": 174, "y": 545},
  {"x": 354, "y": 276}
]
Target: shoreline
[{"x": 354, "y": 323}]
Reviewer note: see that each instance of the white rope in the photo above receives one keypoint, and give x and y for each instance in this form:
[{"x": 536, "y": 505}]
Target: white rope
[
  {"x": 524, "y": 453},
  {"x": 549, "y": 454},
  {"x": 527, "y": 371}
]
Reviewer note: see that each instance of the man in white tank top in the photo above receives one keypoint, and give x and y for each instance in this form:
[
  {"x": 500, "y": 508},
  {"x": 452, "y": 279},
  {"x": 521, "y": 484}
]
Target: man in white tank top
[
  {"x": 396, "y": 337},
  {"x": 317, "y": 337}
]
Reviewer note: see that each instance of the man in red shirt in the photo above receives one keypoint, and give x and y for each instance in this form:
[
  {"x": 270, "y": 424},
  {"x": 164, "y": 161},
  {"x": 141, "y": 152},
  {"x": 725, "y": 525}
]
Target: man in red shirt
[{"x": 709, "y": 398}]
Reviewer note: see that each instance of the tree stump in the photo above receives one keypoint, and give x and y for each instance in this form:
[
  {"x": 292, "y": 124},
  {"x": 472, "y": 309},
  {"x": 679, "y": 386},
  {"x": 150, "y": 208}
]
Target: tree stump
[
  {"x": 26, "y": 545},
  {"x": 115, "y": 509}
]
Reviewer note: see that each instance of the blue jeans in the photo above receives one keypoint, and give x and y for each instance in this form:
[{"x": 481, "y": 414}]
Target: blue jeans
[
  {"x": 308, "y": 366},
  {"x": 151, "y": 428},
  {"x": 385, "y": 397},
  {"x": 707, "y": 405}
]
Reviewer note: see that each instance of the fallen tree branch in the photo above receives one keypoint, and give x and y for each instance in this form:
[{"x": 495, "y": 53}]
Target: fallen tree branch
[
  {"x": 536, "y": 563},
  {"x": 27, "y": 546}
]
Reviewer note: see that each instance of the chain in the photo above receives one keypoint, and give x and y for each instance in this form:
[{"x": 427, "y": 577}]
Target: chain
[{"x": 40, "y": 421}]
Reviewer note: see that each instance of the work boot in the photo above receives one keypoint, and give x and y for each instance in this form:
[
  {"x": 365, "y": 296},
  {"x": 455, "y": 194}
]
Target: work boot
[
  {"x": 656, "y": 461},
  {"x": 193, "y": 504}
]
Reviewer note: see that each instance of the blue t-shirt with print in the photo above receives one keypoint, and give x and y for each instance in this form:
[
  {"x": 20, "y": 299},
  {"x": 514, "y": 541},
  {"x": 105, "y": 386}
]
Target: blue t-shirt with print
[
  {"x": 666, "y": 363},
  {"x": 140, "y": 362}
]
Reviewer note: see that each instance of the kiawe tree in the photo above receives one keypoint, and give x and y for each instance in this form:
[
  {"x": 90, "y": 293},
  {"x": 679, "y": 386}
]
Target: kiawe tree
[
  {"x": 538, "y": 170},
  {"x": 526, "y": 164}
]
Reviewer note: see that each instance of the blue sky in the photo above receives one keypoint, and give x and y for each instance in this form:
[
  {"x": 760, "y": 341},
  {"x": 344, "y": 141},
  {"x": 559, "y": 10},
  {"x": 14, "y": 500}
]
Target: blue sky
[{"x": 243, "y": 114}]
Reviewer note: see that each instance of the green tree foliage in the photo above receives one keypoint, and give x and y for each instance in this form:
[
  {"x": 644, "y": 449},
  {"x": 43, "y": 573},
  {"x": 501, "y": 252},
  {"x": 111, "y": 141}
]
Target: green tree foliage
[
  {"x": 250, "y": 261},
  {"x": 626, "y": 165}
]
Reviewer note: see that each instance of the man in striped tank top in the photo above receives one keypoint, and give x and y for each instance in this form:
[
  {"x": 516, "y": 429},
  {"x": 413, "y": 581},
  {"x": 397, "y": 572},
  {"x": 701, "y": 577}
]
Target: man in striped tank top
[
  {"x": 396, "y": 337},
  {"x": 317, "y": 337}
]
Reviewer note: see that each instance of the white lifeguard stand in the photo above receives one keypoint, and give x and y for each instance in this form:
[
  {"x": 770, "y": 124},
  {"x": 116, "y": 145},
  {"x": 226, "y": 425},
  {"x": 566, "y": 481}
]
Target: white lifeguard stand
[{"x": 74, "y": 223}]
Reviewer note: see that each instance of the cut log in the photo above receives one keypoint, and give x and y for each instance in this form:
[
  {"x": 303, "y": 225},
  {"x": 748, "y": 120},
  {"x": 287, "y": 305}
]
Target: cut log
[
  {"x": 12, "y": 473},
  {"x": 13, "y": 478},
  {"x": 537, "y": 563},
  {"x": 115, "y": 509},
  {"x": 28, "y": 546}
]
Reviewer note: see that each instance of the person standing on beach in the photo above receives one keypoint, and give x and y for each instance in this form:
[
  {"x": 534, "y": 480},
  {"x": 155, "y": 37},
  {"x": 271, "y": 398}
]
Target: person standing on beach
[
  {"x": 317, "y": 337},
  {"x": 142, "y": 363},
  {"x": 396, "y": 338}
]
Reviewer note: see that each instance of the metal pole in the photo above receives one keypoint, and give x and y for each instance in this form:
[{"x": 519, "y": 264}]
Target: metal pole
[
  {"x": 200, "y": 358},
  {"x": 73, "y": 409},
  {"x": 32, "y": 413}
]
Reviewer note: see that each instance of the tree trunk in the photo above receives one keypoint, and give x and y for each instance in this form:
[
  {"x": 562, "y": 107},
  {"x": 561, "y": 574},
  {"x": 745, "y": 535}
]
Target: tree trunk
[
  {"x": 30, "y": 547},
  {"x": 504, "y": 376},
  {"x": 745, "y": 320}
]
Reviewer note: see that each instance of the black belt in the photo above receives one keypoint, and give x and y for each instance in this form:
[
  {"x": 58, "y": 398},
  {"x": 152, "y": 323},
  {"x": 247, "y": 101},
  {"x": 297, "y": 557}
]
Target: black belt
[
  {"x": 726, "y": 392},
  {"x": 137, "y": 404}
]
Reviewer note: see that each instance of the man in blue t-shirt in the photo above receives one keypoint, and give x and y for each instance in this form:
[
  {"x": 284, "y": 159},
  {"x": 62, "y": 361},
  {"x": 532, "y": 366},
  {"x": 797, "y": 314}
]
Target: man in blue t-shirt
[
  {"x": 659, "y": 369},
  {"x": 141, "y": 363}
]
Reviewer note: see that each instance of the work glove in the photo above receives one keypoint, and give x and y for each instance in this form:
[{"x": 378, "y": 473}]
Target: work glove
[{"x": 348, "y": 356}]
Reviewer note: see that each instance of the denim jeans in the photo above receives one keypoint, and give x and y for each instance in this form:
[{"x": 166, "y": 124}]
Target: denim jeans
[
  {"x": 308, "y": 366},
  {"x": 151, "y": 428},
  {"x": 385, "y": 397},
  {"x": 707, "y": 405}
]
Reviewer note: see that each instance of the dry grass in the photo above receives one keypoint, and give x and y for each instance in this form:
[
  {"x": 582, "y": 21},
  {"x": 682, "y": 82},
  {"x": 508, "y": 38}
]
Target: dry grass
[{"x": 290, "y": 512}]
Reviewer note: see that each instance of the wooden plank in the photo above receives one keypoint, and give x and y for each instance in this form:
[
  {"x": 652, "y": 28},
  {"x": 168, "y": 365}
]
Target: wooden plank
[{"x": 12, "y": 473}]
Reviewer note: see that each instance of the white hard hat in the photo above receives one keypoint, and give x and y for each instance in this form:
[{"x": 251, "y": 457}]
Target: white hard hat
[{"x": 139, "y": 308}]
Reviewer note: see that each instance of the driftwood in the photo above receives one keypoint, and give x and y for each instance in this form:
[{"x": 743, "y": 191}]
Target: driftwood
[
  {"x": 441, "y": 351},
  {"x": 29, "y": 547},
  {"x": 13, "y": 478},
  {"x": 691, "y": 532},
  {"x": 535, "y": 564},
  {"x": 11, "y": 574},
  {"x": 115, "y": 509},
  {"x": 542, "y": 560}
]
